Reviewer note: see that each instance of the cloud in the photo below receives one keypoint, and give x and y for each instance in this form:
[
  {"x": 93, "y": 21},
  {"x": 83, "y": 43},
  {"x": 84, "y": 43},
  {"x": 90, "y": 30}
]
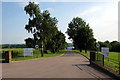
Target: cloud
[
  {"x": 61, "y": 0},
  {"x": 49, "y": 9},
  {"x": 89, "y": 11},
  {"x": 103, "y": 19},
  {"x": 105, "y": 25},
  {"x": 22, "y": 4}
]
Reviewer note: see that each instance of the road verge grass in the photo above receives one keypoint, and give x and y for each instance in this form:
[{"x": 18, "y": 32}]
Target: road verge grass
[
  {"x": 18, "y": 54},
  {"x": 83, "y": 53},
  {"x": 38, "y": 55},
  {"x": 111, "y": 62}
]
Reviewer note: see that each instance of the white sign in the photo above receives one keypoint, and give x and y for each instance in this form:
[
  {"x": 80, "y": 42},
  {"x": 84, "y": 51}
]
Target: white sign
[
  {"x": 97, "y": 45},
  {"x": 28, "y": 51},
  {"x": 36, "y": 46},
  {"x": 105, "y": 51}
]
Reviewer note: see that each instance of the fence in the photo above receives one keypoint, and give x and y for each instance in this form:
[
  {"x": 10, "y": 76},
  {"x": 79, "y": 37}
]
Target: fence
[
  {"x": 113, "y": 65},
  {"x": 99, "y": 58}
]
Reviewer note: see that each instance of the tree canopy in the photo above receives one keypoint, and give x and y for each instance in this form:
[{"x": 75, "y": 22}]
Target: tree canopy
[
  {"x": 114, "y": 46},
  {"x": 81, "y": 34},
  {"x": 44, "y": 28}
]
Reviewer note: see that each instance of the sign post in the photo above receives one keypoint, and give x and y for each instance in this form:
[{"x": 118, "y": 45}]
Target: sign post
[
  {"x": 98, "y": 46},
  {"x": 98, "y": 49},
  {"x": 37, "y": 47}
]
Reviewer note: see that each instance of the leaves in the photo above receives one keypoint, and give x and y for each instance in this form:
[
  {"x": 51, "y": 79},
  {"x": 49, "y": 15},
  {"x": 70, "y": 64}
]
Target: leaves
[
  {"x": 44, "y": 28},
  {"x": 81, "y": 34}
]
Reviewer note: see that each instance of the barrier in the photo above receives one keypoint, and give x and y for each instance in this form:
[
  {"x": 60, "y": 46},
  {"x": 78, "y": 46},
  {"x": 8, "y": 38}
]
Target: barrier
[
  {"x": 7, "y": 57},
  {"x": 111, "y": 65}
]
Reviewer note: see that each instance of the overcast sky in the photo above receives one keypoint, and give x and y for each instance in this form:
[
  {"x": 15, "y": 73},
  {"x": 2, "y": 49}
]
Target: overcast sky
[{"x": 102, "y": 17}]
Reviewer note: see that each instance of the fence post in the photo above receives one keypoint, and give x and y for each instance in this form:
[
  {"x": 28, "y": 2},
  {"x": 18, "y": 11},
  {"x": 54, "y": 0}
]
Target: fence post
[
  {"x": 8, "y": 56},
  {"x": 103, "y": 60},
  {"x": 119, "y": 63},
  {"x": 119, "y": 67},
  {"x": 92, "y": 56}
]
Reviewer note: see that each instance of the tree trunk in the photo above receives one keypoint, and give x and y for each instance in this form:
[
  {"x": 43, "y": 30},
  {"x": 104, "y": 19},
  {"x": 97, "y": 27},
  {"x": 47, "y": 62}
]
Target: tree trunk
[
  {"x": 80, "y": 50},
  {"x": 85, "y": 51},
  {"x": 42, "y": 54}
]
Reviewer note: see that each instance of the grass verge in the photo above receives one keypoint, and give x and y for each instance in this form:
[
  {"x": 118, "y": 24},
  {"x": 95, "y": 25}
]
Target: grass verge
[
  {"x": 83, "y": 53},
  {"x": 111, "y": 62},
  {"x": 37, "y": 55},
  {"x": 18, "y": 54}
]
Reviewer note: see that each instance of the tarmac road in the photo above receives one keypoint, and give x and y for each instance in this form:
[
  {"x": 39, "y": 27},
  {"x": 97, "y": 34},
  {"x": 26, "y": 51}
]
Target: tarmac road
[{"x": 69, "y": 65}]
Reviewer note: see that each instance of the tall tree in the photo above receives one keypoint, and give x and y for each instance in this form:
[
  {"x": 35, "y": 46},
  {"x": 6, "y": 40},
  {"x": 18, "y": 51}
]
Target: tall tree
[
  {"x": 44, "y": 28},
  {"x": 35, "y": 20},
  {"x": 81, "y": 34},
  {"x": 74, "y": 26},
  {"x": 40, "y": 24}
]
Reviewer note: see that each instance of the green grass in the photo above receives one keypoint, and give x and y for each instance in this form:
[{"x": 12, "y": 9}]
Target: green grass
[
  {"x": 83, "y": 53},
  {"x": 36, "y": 54},
  {"x": 112, "y": 55},
  {"x": 111, "y": 62},
  {"x": 12, "y": 49}
]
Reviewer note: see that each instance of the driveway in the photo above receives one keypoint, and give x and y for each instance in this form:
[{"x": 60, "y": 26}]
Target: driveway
[{"x": 69, "y": 65}]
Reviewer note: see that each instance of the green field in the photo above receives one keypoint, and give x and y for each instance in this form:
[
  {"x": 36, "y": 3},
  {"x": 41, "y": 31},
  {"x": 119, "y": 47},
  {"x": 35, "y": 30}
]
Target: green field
[
  {"x": 18, "y": 54},
  {"x": 112, "y": 55},
  {"x": 111, "y": 62}
]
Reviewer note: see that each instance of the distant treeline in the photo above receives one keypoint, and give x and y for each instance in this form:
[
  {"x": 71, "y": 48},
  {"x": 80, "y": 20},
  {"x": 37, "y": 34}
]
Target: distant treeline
[
  {"x": 13, "y": 46},
  {"x": 114, "y": 46},
  {"x": 21, "y": 45}
]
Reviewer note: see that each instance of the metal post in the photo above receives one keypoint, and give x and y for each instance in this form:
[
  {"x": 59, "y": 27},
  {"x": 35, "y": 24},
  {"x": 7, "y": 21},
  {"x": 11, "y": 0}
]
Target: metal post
[
  {"x": 119, "y": 61},
  {"x": 42, "y": 50},
  {"x": 119, "y": 67},
  {"x": 42, "y": 45},
  {"x": 103, "y": 60}
]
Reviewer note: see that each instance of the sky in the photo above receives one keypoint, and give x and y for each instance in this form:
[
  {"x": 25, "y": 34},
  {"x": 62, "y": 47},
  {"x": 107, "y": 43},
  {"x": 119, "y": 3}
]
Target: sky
[{"x": 102, "y": 17}]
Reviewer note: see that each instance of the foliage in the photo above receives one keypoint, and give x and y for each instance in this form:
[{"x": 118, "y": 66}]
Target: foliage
[
  {"x": 57, "y": 42},
  {"x": 81, "y": 34},
  {"x": 114, "y": 46},
  {"x": 30, "y": 42},
  {"x": 13, "y": 46},
  {"x": 44, "y": 29}
]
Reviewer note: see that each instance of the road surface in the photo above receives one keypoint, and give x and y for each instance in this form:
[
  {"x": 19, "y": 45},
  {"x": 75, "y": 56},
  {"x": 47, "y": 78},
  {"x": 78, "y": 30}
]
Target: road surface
[{"x": 69, "y": 65}]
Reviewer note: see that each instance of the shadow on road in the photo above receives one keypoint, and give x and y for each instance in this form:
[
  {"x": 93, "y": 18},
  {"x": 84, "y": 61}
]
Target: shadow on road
[
  {"x": 70, "y": 53},
  {"x": 91, "y": 69}
]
